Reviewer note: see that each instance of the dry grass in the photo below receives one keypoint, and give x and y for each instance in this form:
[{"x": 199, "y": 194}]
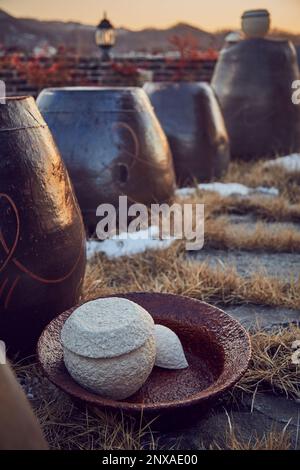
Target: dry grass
[
  {"x": 271, "y": 368},
  {"x": 173, "y": 272},
  {"x": 68, "y": 426},
  {"x": 273, "y": 440},
  {"x": 278, "y": 209},
  {"x": 254, "y": 175},
  {"x": 284, "y": 208},
  {"x": 221, "y": 234}
]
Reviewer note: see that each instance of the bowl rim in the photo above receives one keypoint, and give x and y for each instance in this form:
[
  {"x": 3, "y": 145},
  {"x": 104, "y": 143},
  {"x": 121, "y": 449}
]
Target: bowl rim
[{"x": 194, "y": 399}]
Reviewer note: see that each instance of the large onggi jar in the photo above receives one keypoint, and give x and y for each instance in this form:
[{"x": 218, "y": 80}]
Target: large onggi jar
[
  {"x": 253, "y": 81},
  {"x": 42, "y": 238},
  {"x": 192, "y": 120},
  {"x": 112, "y": 145},
  {"x": 298, "y": 56}
]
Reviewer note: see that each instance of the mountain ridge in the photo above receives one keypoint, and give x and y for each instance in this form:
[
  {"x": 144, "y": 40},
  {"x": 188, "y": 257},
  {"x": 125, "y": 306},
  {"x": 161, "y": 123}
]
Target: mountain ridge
[{"x": 27, "y": 33}]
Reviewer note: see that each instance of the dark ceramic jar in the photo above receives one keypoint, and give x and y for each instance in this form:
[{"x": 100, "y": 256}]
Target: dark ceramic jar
[
  {"x": 298, "y": 55},
  {"x": 42, "y": 243},
  {"x": 191, "y": 118},
  {"x": 253, "y": 81},
  {"x": 112, "y": 144}
]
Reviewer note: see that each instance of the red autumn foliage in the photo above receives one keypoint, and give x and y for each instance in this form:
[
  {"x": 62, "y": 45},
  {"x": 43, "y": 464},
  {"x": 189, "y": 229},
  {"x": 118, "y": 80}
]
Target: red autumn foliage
[
  {"x": 188, "y": 49},
  {"x": 210, "y": 54},
  {"x": 125, "y": 69},
  {"x": 40, "y": 72},
  {"x": 187, "y": 46}
]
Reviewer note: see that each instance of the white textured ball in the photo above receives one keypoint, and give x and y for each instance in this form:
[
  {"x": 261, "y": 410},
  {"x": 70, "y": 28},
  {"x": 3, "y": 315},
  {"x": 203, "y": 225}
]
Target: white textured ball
[
  {"x": 109, "y": 346},
  {"x": 116, "y": 378},
  {"x": 169, "y": 350}
]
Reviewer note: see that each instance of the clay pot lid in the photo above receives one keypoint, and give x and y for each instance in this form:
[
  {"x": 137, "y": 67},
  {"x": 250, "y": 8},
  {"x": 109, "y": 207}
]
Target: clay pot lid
[
  {"x": 92, "y": 99},
  {"x": 216, "y": 346},
  {"x": 20, "y": 113},
  {"x": 106, "y": 328},
  {"x": 255, "y": 13},
  {"x": 115, "y": 89}
]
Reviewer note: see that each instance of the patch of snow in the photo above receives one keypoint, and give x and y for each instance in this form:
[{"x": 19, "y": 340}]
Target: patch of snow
[
  {"x": 290, "y": 163},
  {"x": 267, "y": 191},
  {"x": 185, "y": 192},
  {"x": 227, "y": 189},
  {"x": 127, "y": 244}
]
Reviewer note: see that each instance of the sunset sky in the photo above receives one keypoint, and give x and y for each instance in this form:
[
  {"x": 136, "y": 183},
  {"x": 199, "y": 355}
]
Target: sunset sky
[{"x": 137, "y": 14}]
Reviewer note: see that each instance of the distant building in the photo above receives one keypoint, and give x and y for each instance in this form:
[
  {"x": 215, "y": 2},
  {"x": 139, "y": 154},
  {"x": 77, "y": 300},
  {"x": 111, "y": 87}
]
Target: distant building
[{"x": 44, "y": 50}]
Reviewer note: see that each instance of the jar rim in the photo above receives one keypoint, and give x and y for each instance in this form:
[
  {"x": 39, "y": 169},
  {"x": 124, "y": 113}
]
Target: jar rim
[{"x": 256, "y": 13}]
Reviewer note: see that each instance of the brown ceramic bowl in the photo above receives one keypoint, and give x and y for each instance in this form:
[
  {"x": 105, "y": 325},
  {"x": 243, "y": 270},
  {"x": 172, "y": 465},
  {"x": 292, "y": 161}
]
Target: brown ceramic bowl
[{"x": 217, "y": 348}]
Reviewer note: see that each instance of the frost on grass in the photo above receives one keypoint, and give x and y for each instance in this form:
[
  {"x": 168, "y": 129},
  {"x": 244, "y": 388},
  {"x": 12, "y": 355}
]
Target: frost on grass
[{"x": 228, "y": 189}]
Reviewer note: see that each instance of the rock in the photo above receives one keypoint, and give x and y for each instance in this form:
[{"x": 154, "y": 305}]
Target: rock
[
  {"x": 254, "y": 317},
  {"x": 278, "y": 408},
  {"x": 216, "y": 428},
  {"x": 213, "y": 429},
  {"x": 169, "y": 351},
  {"x": 284, "y": 266},
  {"x": 249, "y": 224},
  {"x": 242, "y": 219},
  {"x": 109, "y": 347}
]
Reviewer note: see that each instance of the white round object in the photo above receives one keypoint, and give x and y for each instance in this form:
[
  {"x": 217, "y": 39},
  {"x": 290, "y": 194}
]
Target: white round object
[
  {"x": 296, "y": 344},
  {"x": 234, "y": 37},
  {"x": 169, "y": 350},
  {"x": 256, "y": 23},
  {"x": 106, "y": 328},
  {"x": 117, "y": 378}
]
